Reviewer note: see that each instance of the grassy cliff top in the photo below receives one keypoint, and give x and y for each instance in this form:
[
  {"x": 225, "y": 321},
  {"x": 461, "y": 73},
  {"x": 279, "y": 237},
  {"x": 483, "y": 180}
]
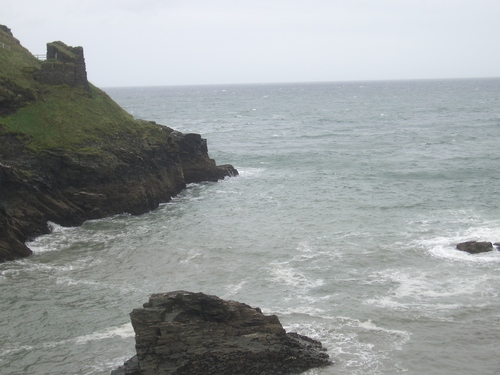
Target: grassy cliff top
[
  {"x": 15, "y": 60},
  {"x": 50, "y": 117}
]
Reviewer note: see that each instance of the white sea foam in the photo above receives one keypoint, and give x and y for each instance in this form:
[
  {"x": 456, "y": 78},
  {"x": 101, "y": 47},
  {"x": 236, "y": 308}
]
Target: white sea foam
[
  {"x": 71, "y": 281},
  {"x": 431, "y": 309},
  {"x": 21, "y": 268},
  {"x": 19, "y": 349},
  {"x": 449, "y": 252},
  {"x": 124, "y": 331},
  {"x": 444, "y": 247},
  {"x": 105, "y": 367},
  {"x": 399, "y": 337},
  {"x": 356, "y": 346},
  {"x": 428, "y": 293},
  {"x": 250, "y": 172},
  {"x": 419, "y": 285},
  {"x": 56, "y": 228},
  {"x": 365, "y": 348},
  {"x": 231, "y": 290},
  {"x": 227, "y": 192},
  {"x": 282, "y": 274},
  {"x": 189, "y": 256},
  {"x": 50, "y": 241},
  {"x": 313, "y": 250}
]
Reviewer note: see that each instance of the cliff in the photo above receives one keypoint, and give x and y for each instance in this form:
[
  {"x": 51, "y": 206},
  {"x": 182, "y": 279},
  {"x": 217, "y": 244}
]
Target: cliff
[
  {"x": 68, "y": 153},
  {"x": 188, "y": 333}
]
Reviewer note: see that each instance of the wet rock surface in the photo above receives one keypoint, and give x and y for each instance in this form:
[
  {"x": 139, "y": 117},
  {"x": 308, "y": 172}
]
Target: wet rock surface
[
  {"x": 194, "y": 333},
  {"x": 475, "y": 247},
  {"x": 68, "y": 188}
]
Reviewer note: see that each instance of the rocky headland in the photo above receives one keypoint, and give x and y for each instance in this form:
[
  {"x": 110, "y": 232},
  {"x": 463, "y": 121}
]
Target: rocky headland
[
  {"x": 184, "y": 333},
  {"x": 68, "y": 153}
]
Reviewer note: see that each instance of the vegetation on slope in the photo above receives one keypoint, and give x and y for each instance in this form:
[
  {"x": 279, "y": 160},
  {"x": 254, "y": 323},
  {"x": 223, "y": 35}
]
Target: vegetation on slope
[
  {"x": 15, "y": 60},
  {"x": 49, "y": 117}
]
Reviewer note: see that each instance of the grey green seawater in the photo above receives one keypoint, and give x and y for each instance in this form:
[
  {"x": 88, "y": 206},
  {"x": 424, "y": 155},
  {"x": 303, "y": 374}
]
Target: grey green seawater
[{"x": 343, "y": 222}]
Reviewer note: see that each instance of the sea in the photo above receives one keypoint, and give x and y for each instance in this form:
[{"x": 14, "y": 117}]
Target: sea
[{"x": 343, "y": 222}]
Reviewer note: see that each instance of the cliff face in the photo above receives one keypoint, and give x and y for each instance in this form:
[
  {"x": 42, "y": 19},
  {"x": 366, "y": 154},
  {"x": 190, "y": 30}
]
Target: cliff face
[
  {"x": 68, "y": 188},
  {"x": 68, "y": 153}
]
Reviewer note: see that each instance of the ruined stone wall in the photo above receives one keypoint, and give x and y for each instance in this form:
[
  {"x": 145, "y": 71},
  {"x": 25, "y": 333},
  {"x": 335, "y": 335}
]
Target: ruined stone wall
[{"x": 64, "y": 65}]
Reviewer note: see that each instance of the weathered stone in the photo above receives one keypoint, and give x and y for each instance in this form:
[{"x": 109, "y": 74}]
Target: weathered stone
[
  {"x": 196, "y": 164},
  {"x": 64, "y": 65},
  {"x": 68, "y": 188},
  {"x": 183, "y": 333},
  {"x": 475, "y": 247}
]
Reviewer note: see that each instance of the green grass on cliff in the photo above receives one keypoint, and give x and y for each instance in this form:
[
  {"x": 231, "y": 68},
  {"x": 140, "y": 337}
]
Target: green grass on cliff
[
  {"x": 69, "y": 118},
  {"x": 62, "y": 117},
  {"x": 15, "y": 60},
  {"x": 66, "y": 118}
]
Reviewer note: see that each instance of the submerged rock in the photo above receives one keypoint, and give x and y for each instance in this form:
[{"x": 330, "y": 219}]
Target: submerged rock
[
  {"x": 194, "y": 333},
  {"x": 475, "y": 247}
]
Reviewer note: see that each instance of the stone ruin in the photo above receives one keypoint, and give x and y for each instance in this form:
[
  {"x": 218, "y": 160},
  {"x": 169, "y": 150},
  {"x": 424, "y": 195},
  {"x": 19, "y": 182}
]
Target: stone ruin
[{"x": 64, "y": 66}]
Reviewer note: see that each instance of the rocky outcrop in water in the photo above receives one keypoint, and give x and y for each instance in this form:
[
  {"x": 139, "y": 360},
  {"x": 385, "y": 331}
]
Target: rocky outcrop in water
[
  {"x": 475, "y": 247},
  {"x": 185, "y": 333},
  {"x": 68, "y": 188},
  {"x": 69, "y": 153}
]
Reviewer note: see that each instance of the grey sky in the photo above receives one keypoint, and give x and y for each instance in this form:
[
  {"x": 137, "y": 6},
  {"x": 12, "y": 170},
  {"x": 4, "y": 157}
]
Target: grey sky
[{"x": 171, "y": 42}]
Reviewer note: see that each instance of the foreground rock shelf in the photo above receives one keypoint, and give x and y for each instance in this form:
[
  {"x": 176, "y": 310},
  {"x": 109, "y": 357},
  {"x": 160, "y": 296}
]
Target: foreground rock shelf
[{"x": 197, "y": 334}]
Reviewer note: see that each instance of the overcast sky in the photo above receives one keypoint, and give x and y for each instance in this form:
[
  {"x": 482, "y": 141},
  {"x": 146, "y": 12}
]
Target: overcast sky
[{"x": 177, "y": 42}]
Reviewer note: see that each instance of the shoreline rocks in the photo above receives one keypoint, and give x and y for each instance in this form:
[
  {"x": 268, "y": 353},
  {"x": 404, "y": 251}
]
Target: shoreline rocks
[
  {"x": 185, "y": 333},
  {"x": 69, "y": 188},
  {"x": 475, "y": 247}
]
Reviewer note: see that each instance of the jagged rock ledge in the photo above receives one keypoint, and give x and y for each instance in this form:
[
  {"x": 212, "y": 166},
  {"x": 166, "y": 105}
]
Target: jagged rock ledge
[
  {"x": 185, "y": 333},
  {"x": 68, "y": 188}
]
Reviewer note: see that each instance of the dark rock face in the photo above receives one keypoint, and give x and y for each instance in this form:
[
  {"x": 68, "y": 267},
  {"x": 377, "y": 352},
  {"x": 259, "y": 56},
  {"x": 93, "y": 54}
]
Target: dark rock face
[
  {"x": 474, "y": 247},
  {"x": 69, "y": 188},
  {"x": 185, "y": 333},
  {"x": 196, "y": 165}
]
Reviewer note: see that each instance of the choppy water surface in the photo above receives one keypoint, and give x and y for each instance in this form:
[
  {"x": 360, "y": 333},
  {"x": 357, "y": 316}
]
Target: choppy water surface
[{"x": 343, "y": 222}]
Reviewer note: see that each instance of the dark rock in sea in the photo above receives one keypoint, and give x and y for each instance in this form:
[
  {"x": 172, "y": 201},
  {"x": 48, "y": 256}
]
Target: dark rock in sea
[
  {"x": 474, "y": 247},
  {"x": 185, "y": 333},
  {"x": 196, "y": 164}
]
